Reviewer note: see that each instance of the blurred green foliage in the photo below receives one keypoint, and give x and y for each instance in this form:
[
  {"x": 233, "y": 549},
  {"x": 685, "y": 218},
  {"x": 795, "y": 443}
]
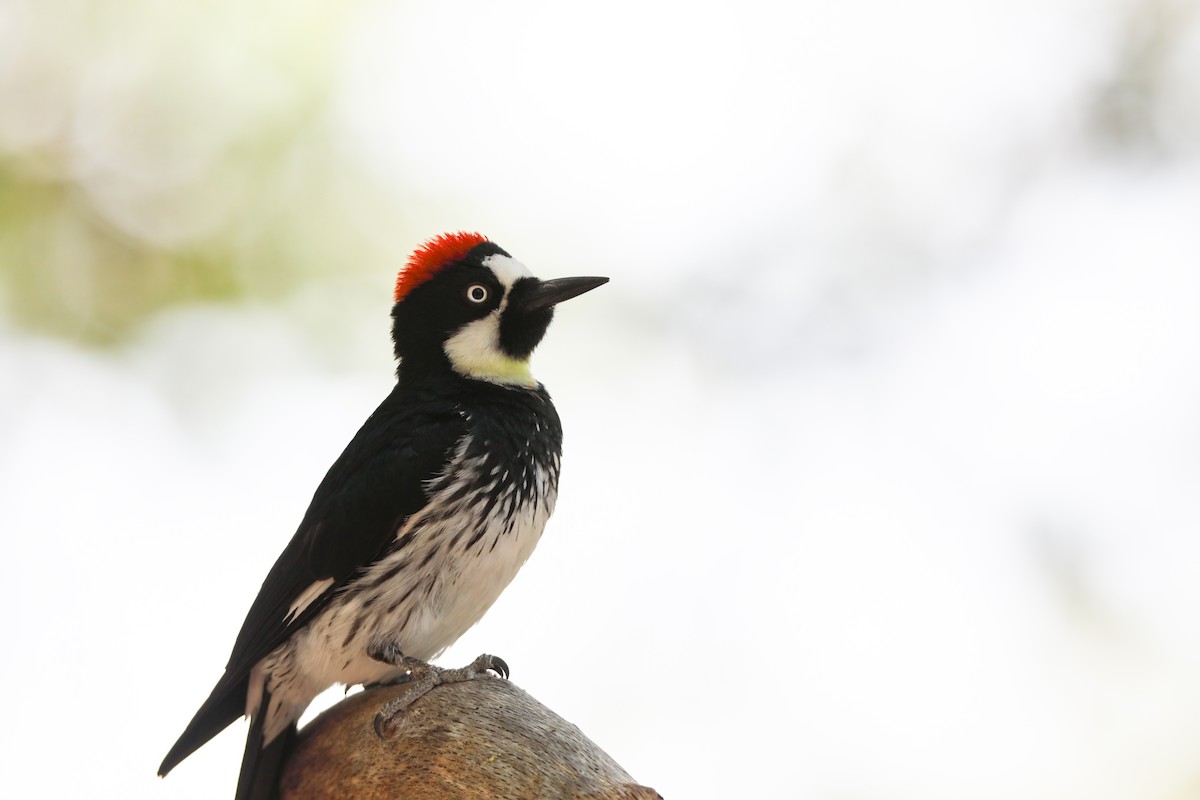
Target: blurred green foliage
[{"x": 152, "y": 154}]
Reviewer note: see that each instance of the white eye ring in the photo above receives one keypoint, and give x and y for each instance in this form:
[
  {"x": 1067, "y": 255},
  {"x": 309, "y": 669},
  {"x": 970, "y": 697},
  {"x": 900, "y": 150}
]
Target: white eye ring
[{"x": 477, "y": 293}]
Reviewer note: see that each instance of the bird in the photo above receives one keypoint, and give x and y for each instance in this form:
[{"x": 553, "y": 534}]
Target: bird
[{"x": 425, "y": 517}]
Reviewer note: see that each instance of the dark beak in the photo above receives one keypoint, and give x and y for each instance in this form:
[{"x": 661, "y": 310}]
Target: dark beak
[{"x": 548, "y": 293}]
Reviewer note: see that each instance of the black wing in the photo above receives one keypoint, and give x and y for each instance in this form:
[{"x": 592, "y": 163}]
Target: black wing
[{"x": 374, "y": 486}]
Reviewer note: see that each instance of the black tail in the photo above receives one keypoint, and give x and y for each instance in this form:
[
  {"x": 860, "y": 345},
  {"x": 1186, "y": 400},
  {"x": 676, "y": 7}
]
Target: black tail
[
  {"x": 262, "y": 767},
  {"x": 226, "y": 703}
]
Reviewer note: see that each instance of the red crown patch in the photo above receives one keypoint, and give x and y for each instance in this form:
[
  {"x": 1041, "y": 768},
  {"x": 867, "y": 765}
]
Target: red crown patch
[{"x": 430, "y": 257}]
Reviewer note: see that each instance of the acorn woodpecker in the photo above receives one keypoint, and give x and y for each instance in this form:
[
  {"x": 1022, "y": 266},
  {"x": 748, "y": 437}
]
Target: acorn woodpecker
[{"x": 422, "y": 521}]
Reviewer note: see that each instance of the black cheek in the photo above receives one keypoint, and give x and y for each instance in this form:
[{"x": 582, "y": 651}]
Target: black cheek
[{"x": 520, "y": 331}]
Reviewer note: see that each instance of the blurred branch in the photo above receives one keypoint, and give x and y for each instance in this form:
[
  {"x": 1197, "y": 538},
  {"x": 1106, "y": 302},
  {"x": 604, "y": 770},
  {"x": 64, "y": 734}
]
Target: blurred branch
[
  {"x": 149, "y": 159},
  {"x": 1135, "y": 103}
]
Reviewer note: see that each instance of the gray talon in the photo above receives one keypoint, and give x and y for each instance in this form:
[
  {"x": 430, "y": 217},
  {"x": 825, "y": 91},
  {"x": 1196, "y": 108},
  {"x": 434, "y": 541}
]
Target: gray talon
[
  {"x": 494, "y": 663},
  {"x": 381, "y": 722}
]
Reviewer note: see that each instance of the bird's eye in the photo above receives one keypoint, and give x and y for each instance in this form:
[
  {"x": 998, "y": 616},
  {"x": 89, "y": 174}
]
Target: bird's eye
[{"x": 477, "y": 293}]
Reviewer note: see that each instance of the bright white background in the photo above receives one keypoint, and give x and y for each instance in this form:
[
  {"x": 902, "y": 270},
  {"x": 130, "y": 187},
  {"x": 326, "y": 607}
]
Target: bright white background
[{"x": 882, "y": 460}]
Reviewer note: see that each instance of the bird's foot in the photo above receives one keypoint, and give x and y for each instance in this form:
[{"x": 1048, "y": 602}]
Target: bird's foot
[{"x": 423, "y": 677}]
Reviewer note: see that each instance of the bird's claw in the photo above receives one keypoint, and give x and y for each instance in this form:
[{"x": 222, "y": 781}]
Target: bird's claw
[
  {"x": 489, "y": 663},
  {"x": 423, "y": 677}
]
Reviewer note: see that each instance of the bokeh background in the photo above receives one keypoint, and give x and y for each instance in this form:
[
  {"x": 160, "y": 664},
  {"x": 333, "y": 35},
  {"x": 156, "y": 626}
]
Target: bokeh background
[{"x": 882, "y": 470}]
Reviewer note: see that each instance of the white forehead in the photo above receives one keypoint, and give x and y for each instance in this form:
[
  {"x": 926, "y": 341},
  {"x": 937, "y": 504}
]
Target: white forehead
[{"x": 507, "y": 269}]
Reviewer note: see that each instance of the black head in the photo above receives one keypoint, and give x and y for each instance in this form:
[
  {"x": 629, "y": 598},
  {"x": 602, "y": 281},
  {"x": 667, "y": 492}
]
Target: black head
[{"x": 466, "y": 305}]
